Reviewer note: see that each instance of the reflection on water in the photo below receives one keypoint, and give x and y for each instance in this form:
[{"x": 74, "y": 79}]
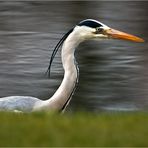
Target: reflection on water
[{"x": 113, "y": 74}]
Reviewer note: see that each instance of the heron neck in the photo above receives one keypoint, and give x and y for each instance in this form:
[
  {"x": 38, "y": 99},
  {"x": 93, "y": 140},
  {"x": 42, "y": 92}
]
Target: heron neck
[{"x": 63, "y": 95}]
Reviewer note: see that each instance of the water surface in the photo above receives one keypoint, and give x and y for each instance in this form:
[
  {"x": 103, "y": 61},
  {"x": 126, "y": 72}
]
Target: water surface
[{"x": 113, "y": 74}]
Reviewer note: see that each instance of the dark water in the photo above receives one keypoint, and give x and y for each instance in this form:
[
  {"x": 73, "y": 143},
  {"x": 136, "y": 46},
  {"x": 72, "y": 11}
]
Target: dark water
[{"x": 113, "y": 74}]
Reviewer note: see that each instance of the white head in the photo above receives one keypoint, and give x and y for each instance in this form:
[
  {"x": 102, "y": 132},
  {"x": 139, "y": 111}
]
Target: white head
[{"x": 92, "y": 29}]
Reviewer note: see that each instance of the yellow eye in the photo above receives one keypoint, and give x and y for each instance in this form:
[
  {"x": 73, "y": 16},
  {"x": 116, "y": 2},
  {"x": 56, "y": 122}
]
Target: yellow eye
[{"x": 99, "y": 30}]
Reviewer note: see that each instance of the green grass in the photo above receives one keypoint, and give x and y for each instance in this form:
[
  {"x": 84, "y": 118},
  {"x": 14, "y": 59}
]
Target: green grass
[{"x": 80, "y": 129}]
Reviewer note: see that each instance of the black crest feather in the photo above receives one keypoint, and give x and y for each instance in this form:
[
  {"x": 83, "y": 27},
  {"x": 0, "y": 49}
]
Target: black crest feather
[{"x": 56, "y": 50}]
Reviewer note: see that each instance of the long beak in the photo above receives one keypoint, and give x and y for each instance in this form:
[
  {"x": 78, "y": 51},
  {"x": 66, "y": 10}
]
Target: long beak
[{"x": 112, "y": 33}]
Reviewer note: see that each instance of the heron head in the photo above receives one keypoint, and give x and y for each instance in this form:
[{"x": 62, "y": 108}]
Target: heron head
[{"x": 90, "y": 29}]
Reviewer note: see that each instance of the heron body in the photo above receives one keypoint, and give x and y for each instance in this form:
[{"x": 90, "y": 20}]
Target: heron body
[
  {"x": 85, "y": 30},
  {"x": 18, "y": 103}
]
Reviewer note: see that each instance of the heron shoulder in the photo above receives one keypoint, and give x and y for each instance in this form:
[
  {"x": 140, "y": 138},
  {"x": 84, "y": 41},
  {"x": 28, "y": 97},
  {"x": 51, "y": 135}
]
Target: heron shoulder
[{"x": 20, "y": 103}]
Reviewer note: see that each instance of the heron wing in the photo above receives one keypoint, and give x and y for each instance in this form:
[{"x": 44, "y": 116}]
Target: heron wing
[{"x": 19, "y": 103}]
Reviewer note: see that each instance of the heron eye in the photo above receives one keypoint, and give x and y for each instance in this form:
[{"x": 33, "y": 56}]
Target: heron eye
[{"x": 99, "y": 30}]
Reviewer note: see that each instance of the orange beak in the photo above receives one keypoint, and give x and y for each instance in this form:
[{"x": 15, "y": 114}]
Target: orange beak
[{"x": 112, "y": 33}]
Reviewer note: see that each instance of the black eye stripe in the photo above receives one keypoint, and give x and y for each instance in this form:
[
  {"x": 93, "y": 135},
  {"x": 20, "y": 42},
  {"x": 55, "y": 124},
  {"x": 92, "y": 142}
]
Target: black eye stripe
[{"x": 89, "y": 23}]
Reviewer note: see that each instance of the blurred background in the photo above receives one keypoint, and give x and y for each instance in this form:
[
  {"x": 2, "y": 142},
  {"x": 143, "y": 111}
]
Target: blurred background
[{"x": 113, "y": 73}]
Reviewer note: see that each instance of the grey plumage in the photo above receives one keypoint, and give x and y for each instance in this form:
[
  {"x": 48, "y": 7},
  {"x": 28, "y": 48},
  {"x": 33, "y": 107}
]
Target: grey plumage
[{"x": 18, "y": 103}]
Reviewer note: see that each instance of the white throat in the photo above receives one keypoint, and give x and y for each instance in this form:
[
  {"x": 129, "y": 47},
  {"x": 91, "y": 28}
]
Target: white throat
[{"x": 64, "y": 93}]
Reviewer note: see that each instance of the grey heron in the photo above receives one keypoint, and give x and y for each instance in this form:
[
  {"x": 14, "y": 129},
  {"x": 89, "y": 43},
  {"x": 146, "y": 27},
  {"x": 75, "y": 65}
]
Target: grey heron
[{"x": 85, "y": 30}]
